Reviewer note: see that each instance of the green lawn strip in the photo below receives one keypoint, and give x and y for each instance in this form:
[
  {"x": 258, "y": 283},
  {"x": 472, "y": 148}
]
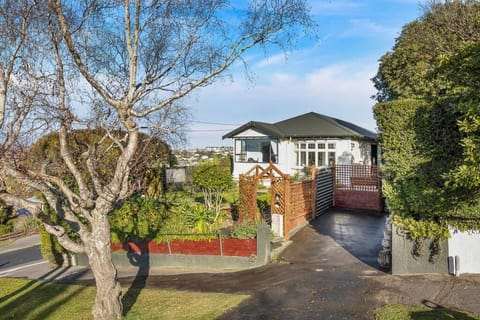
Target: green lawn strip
[
  {"x": 6, "y": 242},
  {"x": 28, "y": 299},
  {"x": 404, "y": 312}
]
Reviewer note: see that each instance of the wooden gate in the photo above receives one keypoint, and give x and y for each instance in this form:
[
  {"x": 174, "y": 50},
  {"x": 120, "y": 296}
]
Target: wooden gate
[
  {"x": 292, "y": 205},
  {"x": 279, "y": 183},
  {"x": 358, "y": 186}
]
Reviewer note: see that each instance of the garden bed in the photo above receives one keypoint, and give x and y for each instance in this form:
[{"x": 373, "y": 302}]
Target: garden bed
[
  {"x": 215, "y": 247},
  {"x": 229, "y": 253}
]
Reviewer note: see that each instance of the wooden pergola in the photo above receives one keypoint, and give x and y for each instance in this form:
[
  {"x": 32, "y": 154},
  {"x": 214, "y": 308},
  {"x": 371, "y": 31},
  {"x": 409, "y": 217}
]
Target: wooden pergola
[{"x": 279, "y": 185}]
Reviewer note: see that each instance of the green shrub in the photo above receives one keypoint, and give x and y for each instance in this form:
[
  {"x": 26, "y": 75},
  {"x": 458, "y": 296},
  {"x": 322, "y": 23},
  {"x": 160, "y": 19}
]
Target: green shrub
[
  {"x": 5, "y": 229},
  {"x": 188, "y": 221},
  {"x": 24, "y": 223},
  {"x": 263, "y": 201},
  {"x": 420, "y": 146},
  {"x": 230, "y": 196},
  {"x": 139, "y": 218},
  {"x": 245, "y": 229},
  {"x": 212, "y": 180},
  {"x": 50, "y": 248},
  {"x": 5, "y": 212}
]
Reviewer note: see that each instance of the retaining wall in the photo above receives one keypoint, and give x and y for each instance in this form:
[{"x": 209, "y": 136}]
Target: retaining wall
[
  {"x": 403, "y": 262},
  {"x": 204, "y": 254}
]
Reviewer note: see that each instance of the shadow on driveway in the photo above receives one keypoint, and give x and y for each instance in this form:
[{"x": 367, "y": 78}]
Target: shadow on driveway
[{"x": 358, "y": 232}]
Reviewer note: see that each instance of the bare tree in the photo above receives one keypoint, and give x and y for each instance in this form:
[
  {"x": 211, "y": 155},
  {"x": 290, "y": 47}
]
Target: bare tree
[{"x": 121, "y": 66}]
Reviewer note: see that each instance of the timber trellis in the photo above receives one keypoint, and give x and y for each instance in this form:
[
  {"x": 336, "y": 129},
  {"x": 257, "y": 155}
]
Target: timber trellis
[{"x": 292, "y": 204}]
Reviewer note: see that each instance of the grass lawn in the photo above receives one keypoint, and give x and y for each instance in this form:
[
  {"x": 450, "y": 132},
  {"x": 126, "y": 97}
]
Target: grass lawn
[
  {"x": 28, "y": 299},
  {"x": 403, "y": 312},
  {"x": 6, "y": 242}
]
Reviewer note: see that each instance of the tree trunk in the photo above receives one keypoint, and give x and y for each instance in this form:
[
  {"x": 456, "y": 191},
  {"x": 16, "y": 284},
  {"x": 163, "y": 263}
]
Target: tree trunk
[{"x": 108, "y": 299}]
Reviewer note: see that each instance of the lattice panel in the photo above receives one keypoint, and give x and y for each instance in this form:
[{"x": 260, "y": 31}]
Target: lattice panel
[
  {"x": 357, "y": 178},
  {"x": 278, "y": 195},
  {"x": 302, "y": 198},
  {"x": 248, "y": 197}
]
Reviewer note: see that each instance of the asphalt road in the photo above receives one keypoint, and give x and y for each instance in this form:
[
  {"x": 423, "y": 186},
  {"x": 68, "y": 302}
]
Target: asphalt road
[
  {"x": 22, "y": 258},
  {"x": 14, "y": 259}
]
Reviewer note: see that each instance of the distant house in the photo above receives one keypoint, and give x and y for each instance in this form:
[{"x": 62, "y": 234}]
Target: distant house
[{"x": 302, "y": 141}]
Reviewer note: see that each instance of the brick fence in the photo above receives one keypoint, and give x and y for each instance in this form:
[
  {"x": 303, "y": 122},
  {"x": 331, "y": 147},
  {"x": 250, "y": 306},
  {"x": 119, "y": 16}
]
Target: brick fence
[
  {"x": 203, "y": 254},
  {"x": 358, "y": 187}
]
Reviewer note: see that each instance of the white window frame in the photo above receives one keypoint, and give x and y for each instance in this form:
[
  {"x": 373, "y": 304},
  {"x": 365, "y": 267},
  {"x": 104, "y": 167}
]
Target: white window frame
[{"x": 304, "y": 149}]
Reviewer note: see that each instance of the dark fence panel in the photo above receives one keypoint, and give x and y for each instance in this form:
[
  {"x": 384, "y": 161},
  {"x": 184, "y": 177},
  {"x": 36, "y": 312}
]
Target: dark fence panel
[{"x": 324, "y": 191}]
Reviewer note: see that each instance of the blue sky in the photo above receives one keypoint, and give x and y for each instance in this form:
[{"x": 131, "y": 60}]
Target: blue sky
[{"x": 330, "y": 75}]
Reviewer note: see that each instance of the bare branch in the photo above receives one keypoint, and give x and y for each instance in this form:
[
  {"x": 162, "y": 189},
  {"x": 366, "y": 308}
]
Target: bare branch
[
  {"x": 64, "y": 239},
  {"x": 6, "y": 73},
  {"x": 57, "y": 6},
  {"x": 237, "y": 51}
]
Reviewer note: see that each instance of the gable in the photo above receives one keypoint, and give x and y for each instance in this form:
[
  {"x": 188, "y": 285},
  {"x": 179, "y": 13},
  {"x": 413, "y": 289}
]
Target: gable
[{"x": 252, "y": 133}]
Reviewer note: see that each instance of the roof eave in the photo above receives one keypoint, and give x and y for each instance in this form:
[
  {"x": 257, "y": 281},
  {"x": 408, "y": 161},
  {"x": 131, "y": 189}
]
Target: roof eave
[{"x": 260, "y": 126}]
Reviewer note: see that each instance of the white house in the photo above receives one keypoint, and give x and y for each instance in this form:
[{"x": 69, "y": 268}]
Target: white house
[{"x": 302, "y": 141}]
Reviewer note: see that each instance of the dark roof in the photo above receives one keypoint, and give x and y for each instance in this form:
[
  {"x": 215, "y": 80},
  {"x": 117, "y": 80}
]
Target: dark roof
[
  {"x": 308, "y": 125},
  {"x": 262, "y": 127}
]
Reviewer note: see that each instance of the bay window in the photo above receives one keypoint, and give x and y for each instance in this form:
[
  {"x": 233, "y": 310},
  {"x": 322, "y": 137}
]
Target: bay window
[{"x": 256, "y": 150}]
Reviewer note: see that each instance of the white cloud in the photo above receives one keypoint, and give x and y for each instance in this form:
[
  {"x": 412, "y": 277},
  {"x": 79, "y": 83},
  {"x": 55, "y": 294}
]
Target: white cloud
[
  {"x": 340, "y": 90},
  {"x": 272, "y": 60},
  {"x": 367, "y": 28}
]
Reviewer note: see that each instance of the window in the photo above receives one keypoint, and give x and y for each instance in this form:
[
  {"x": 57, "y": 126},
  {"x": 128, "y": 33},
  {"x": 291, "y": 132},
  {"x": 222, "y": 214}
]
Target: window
[
  {"x": 256, "y": 150},
  {"x": 331, "y": 158},
  {"x": 315, "y": 152},
  {"x": 303, "y": 158},
  {"x": 321, "y": 159},
  {"x": 311, "y": 157}
]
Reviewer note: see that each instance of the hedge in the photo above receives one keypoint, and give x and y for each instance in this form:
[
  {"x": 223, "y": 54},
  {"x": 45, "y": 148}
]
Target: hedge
[{"x": 421, "y": 146}]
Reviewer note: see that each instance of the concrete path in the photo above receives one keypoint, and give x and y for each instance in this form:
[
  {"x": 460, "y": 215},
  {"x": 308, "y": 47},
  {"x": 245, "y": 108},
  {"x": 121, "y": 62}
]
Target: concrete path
[{"x": 21, "y": 243}]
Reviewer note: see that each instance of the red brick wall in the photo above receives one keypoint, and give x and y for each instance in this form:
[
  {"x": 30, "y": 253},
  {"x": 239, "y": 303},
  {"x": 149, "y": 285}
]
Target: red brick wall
[
  {"x": 230, "y": 247},
  {"x": 362, "y": 200}
]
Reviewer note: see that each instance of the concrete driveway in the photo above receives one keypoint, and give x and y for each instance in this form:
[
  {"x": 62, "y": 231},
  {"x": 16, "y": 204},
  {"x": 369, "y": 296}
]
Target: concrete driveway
[
  {"x": 323, "y": 274},
  {"x": 328, "y": 272}
]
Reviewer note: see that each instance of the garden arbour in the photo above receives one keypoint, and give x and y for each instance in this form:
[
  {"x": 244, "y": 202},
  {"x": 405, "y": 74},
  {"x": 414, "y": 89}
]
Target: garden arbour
[{"x": 292, "y": 204}]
